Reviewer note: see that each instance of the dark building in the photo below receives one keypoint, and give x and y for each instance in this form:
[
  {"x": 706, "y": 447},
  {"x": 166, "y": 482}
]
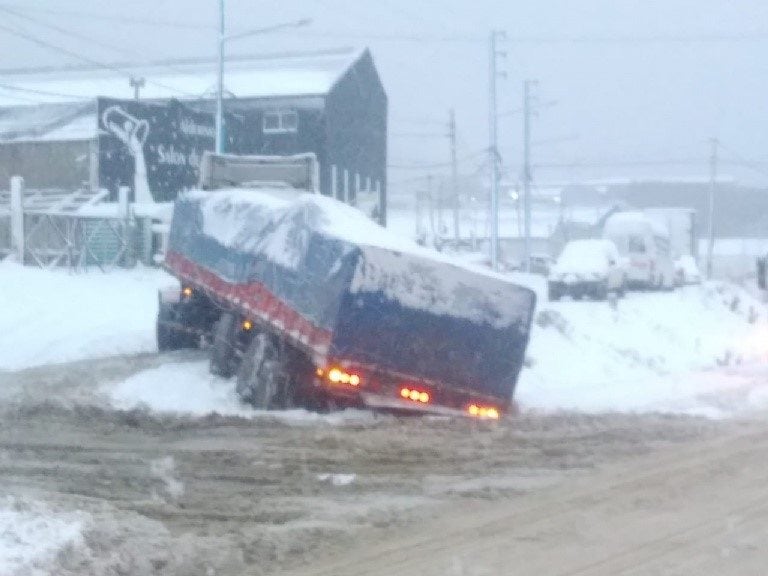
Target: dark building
[{"x": 332, "y": 104}]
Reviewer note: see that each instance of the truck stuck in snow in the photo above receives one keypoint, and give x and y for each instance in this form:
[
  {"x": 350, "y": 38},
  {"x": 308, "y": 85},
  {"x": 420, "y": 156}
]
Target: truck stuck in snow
[{"x": 305, "y": 301}]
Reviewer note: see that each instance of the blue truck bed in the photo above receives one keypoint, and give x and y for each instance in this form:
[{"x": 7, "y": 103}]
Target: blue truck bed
[{"x": 359, "y": 296}]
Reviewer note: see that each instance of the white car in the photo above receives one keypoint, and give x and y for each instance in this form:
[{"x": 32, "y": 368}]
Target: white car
[
  {"x": 587, "y": 268},
  {"x": 687, "y": 271}
]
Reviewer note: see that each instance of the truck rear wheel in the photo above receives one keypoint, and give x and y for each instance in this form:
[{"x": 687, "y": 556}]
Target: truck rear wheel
[
  {"x": 260, "y": 373},
  {"x": 223, "y": 353}
]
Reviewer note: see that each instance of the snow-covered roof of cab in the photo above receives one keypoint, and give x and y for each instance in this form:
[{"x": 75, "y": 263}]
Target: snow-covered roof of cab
[{"x": 247, "y": 76}]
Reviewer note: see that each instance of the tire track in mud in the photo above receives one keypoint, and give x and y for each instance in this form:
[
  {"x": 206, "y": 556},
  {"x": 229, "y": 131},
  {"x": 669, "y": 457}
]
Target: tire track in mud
[
  {"x": 479, "y": 536},
  {"x": 244, "y": 495}
]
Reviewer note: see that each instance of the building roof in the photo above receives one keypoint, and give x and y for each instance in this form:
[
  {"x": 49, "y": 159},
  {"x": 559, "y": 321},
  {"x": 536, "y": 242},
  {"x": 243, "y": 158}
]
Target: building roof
[
  {"x": 65, "y": 98},
  {"x": 287, "y": 74},
  {"x": 47, "y": 122}
]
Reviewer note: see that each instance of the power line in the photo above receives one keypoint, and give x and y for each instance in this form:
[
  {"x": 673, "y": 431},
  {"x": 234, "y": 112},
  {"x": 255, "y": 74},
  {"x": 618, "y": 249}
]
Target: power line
[
  {"x": 76, "y": 35},
  {"x": 417, "y": 135},
  {"x": 41, "y": 92},
  {"x": 71, "y": 54},
  {"x": 647, "y": 39},
  {"x": 417, "y": 121},
  {"x": 431, "y": 165},
  {"x": 186, "y": 61},
  {"x": 759, "y": 36},
  {"x": 740, "y": 161},
  {"x": 21, "y": 99},
  {"x": 620, "y": 163},
  {"x": 64, "y": 31},
  {"x": 125, "y": 20}
]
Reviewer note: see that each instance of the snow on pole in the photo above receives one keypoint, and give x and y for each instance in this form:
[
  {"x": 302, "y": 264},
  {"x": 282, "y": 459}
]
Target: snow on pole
[
  {"x": 334, "y": 182},
  {"x": 17, "y": 215}
]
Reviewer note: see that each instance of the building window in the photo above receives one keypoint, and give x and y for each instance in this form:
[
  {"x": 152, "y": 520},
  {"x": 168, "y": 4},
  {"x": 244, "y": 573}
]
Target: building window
[{"x": 280, "y": 122}]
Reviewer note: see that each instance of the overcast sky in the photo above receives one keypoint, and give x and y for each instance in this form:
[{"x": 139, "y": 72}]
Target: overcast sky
[{"x": 624, "y": 82}]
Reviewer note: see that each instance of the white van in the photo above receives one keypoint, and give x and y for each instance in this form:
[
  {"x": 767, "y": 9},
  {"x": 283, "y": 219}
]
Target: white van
[{"x": 646, "y": 247}]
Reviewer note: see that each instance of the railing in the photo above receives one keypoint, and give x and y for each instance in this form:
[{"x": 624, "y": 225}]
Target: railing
[{"x": 71, "y": 228}]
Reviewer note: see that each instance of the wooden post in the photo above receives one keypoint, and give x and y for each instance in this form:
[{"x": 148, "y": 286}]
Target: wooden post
[
  {"x": 17, "y": 216},
  {"x": 125, "y": 215}
]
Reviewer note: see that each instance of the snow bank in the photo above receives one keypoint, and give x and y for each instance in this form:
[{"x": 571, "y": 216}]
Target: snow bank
[
  {"x": 188, "y": 388},
  {"x": 56, "y": 316},
  {"x": 31, "y": 535},
  {"x": 654, "y": 352}
]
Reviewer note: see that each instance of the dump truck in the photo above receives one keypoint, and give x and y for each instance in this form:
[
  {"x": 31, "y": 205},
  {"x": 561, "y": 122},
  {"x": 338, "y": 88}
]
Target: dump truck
[{"x": 307, "y": 302}]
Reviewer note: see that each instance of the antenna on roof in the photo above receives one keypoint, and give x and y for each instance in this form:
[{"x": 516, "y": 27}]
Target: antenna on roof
[{"x": 137, "y": 83}]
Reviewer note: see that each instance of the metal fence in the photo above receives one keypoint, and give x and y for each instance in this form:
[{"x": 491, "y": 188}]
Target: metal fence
[{"x": 75, "y": 229}]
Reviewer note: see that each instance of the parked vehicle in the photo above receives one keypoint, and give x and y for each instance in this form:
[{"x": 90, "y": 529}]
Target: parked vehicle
[
  {"x": 680, "y": 223},
  {"x": 687, "y": 271},
  {"x": 591, "y": 268},
  {"x": 646, "y": 247},
  {"x": 306, "y": 301}
]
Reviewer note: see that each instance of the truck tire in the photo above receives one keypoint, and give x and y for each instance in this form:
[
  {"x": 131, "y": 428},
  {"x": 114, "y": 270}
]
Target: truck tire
[
  {"x": 224, "y": 358},
  {"x": 168, "y": 337},
  {"x": 259, "y": 376}
]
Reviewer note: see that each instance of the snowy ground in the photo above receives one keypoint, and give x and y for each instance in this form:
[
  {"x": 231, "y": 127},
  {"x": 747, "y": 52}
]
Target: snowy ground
[
  {"x": 58, "y": 316},
  {"x": 31, "y": 534},
  {"x": 169, "y": 449}
]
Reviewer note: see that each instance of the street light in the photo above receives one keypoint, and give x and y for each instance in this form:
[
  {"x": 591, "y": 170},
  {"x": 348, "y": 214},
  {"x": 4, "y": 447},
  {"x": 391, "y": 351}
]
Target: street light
[{"x": 223, "y": 39}]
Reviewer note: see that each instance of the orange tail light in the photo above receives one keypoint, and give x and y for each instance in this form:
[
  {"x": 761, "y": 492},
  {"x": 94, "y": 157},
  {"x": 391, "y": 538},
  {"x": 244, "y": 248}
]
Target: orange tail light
[
  {"x": 336, "y": 375},
  {"x": 488, "y": 412},
  {"x": 415, "y": 395}
]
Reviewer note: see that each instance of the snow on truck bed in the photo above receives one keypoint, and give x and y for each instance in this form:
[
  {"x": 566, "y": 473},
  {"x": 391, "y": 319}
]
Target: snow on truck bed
[{"x": 277, "y": 223}]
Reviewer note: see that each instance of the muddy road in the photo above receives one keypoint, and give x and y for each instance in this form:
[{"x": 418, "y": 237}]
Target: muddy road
[{"x": 563, "y": 494}]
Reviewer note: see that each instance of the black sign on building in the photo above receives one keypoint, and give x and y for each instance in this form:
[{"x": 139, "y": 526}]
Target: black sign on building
[{"x": 153, "y": 148}]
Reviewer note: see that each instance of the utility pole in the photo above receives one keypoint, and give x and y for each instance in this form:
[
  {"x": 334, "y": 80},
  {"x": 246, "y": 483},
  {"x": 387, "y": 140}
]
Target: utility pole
[
  {"x": 431, "y": 205},
  {"x": 714, "y": 143},
  {"x": 137, "y": 83},
  {"x": 493, "y": 150},
  {"x": 527, "y": 173},
  {"x": 220, "y": 85},
  {"x": 454, "y": 175}
]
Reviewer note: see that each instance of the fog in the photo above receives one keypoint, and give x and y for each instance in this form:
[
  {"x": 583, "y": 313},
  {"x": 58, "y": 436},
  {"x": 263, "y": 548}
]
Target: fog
[{"x": 626, "y": 89}]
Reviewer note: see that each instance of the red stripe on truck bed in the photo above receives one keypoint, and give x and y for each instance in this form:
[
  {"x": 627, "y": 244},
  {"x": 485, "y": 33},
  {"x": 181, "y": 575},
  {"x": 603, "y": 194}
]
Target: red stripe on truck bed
[{"x": 253, "y": 299}]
